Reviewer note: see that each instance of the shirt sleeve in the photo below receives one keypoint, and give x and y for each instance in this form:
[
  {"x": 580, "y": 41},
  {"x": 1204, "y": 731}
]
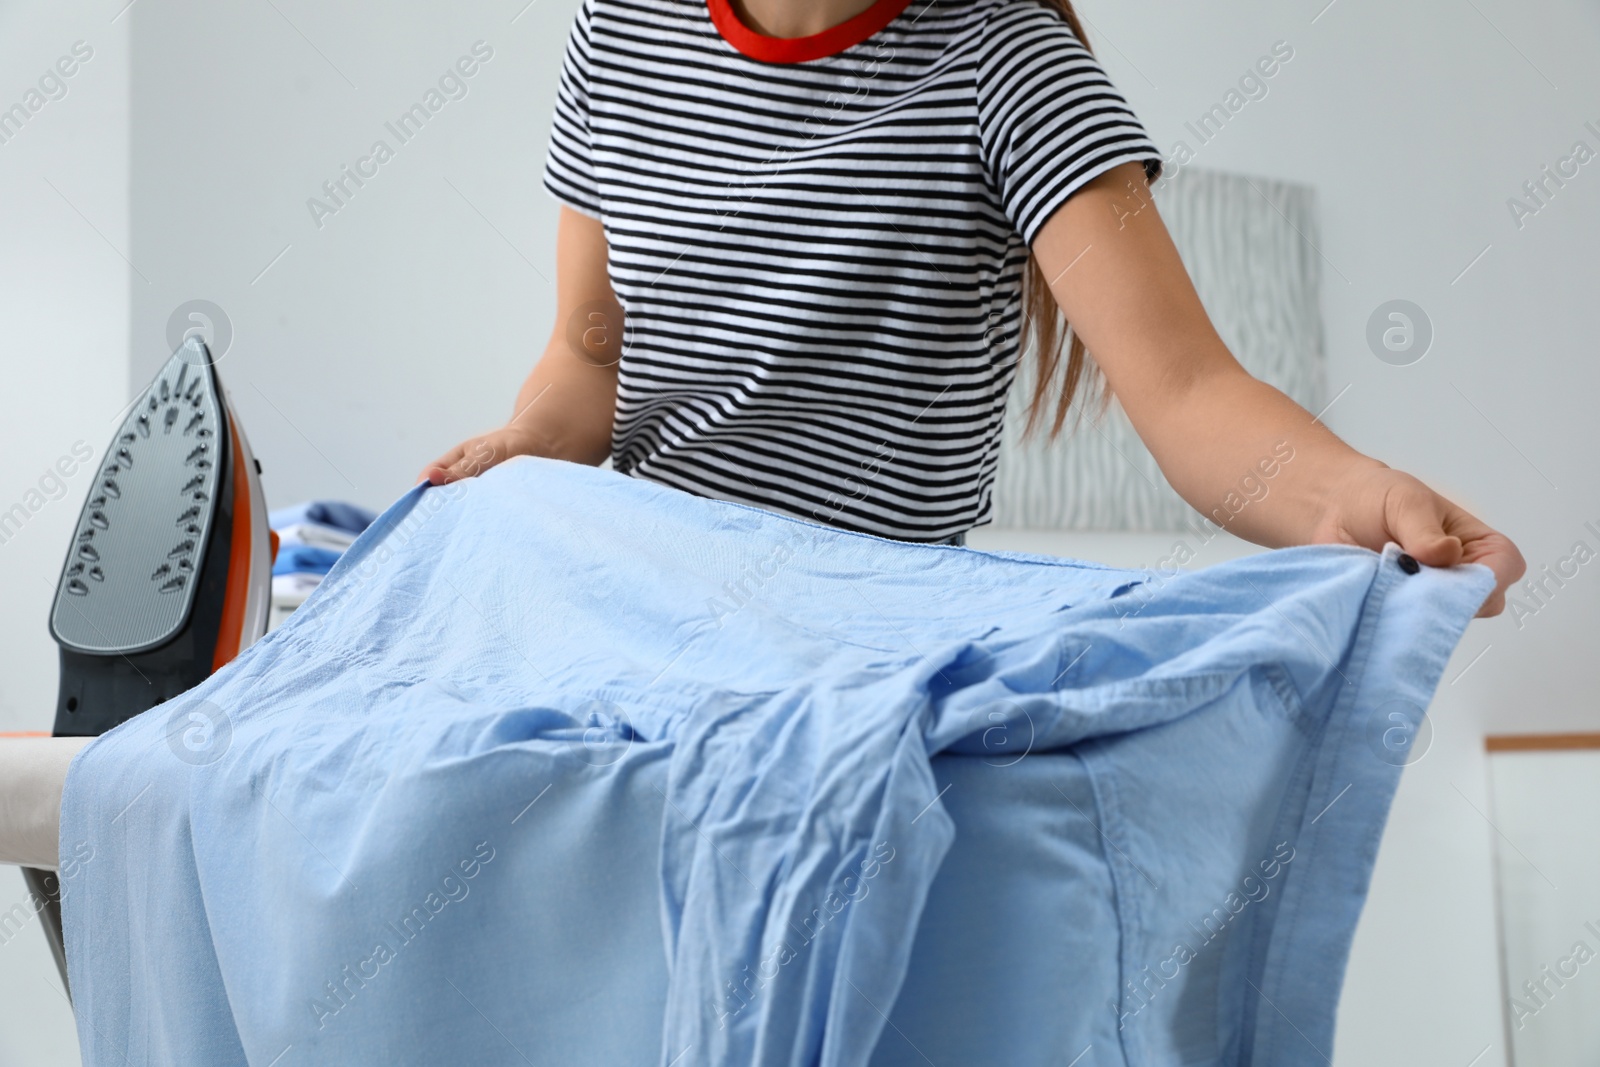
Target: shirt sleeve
[
  {"x": 1049, "y": 119},
  {"x": 569, "y": 162}
]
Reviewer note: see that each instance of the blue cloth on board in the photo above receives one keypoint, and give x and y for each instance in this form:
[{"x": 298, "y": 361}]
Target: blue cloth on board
[
  {"x": 296, "y": 558},
  {"x": 335, "y": 513},
  {"x": 559, "y": 766}
]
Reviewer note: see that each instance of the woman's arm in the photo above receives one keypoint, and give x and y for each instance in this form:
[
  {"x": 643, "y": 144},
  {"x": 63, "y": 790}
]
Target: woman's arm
[
  {"x": 565, "y": 408},
  {"x": 1117, "y": 276}
]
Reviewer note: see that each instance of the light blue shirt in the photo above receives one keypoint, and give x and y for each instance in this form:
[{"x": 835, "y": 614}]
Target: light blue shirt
[{"x": 563, "y": 767}]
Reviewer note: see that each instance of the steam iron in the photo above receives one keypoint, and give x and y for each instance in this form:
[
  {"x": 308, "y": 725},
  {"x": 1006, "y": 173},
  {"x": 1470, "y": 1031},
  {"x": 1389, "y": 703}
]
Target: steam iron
[{"x": 169, "y": 573}]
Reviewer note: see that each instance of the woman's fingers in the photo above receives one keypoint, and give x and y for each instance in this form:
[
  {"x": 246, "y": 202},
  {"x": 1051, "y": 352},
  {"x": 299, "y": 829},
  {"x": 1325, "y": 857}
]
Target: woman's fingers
[
  {"x": 1452, "y": 535},
  {"x": 1496, "y": 551},
  {"x": 471, "y": 458},
  {"x": 1439, "y": 533},
  {"x": 1431, "y": 529},
  {"x": 438, "y": 472},
  {"x": 479, "y": 454},
  {"x": 1481, "y": 544}
]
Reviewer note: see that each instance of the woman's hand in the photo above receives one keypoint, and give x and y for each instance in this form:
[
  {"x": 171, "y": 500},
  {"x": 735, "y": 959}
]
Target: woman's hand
[
  {"x": 477, "y": 454},
  {"x": 1376, "y": 504},
  {"x": 567, "y": 405}
]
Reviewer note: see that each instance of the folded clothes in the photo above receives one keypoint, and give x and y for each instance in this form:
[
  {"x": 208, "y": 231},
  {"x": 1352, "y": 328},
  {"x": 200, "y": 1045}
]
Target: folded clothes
[
  {"x": 278, "y": 842},
  {"x": 317, "y": 535},
  {"x": 292, "y": 589},
  {"x": 308, "y": 546},
  {"x": 304, "y": 559},
  {"x": 335, "y": 513}
]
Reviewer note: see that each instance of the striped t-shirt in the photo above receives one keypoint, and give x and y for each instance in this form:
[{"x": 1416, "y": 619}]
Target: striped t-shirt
[{"x": 818, "y": 242}]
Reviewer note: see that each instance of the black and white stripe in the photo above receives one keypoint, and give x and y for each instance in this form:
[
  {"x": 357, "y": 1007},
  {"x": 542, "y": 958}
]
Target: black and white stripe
[{"x": 821, "y": 262}]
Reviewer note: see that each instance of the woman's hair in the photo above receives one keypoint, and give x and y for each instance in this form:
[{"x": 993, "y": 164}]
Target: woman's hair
[{"x": 1046, "y": 330}]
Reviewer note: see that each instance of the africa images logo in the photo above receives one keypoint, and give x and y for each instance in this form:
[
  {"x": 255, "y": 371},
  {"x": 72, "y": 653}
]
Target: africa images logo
[{"x": 199, "y": 732}]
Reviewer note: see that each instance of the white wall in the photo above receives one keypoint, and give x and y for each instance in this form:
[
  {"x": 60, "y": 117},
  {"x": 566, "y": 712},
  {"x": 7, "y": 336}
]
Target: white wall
[
  {"x": 64, "y": 352},
  {"x": 408, "y": 318}
]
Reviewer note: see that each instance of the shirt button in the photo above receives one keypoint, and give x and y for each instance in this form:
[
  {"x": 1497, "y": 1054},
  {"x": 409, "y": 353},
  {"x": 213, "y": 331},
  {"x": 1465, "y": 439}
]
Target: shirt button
[{"x": 1407, "y": 563}]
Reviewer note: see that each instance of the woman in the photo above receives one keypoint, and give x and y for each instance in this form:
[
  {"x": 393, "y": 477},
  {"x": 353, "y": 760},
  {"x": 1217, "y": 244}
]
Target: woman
[{"x": 834, "y": 224}]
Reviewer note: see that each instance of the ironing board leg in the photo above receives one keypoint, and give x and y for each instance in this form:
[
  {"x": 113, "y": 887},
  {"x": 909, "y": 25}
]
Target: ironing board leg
[
  {"x": 33, "y": 771},
  {"x": 44, "y": 887}
]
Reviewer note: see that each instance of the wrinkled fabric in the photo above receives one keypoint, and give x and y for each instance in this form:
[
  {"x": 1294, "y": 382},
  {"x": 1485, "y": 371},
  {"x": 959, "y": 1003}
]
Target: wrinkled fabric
[{"x": 411, "y": 825}]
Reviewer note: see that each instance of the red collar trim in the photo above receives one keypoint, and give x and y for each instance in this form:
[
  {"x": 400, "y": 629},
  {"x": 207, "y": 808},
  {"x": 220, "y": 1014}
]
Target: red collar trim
[{"x": 800, "y": 49}]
